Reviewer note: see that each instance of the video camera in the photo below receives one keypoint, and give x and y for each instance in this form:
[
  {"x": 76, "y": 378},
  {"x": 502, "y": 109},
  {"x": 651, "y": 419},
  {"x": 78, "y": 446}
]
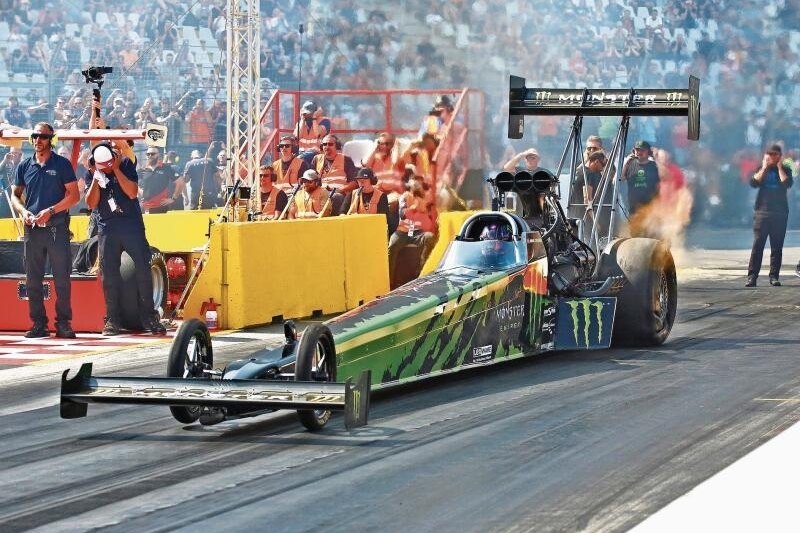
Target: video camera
[{"x": 95, "y": 74}]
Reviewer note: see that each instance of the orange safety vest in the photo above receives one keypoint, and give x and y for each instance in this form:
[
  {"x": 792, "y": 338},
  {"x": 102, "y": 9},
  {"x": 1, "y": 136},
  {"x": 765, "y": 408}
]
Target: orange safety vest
[
  {"x": 389, "y": 178},
  {"x": 332, "y": 175},
  {"x": 310, "y": 205},
  {"x": 268, "y": 204},
  {"x": 357, "y": 203},
  {"x": 416, "y": 213},
  {"x": 287, "y": 181},
  {"x": 308, "y": 137}
]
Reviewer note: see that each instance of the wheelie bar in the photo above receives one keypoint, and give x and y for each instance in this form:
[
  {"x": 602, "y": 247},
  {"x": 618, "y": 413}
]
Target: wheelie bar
[{"x": 83, "y": 388}]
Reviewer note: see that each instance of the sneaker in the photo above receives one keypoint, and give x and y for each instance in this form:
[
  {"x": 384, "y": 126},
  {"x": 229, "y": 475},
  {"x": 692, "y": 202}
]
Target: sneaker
[
  {"x": 37, "y": 331},
  {"x": 64, "y": 331},
  {"x": 110, "y": 329},
  {"x": 156, "y": 327},
  {"x": 775, "y": 282},
  {"x": 751, "y": 282}
]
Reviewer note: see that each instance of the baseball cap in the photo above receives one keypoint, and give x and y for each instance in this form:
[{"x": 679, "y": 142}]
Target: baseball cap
[
  {"x": 102, "y": 156},
  {"x": 365, "y": 172},
  {"x": 642, "y": 144},
  {"x": 308, "y": 107},
  {"x": 310, "y": 175},
  {"x": 597, "y": 155},
  {"x": 775, "y": 149}
]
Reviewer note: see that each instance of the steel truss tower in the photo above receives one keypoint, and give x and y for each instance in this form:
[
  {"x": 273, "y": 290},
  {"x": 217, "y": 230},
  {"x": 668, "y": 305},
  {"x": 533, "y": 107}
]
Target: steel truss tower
[{"x": 243, "y": 28}]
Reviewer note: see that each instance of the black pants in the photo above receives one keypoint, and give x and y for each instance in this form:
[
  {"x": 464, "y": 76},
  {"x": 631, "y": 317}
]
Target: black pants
[
  {"x": 111, "y": 244},
  {"x": 42, "y": 244},
  {"x": 772, "y": 226}
]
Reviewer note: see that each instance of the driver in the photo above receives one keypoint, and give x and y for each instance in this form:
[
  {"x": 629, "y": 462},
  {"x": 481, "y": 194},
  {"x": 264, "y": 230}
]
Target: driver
[{"x": 492, "y": 248}]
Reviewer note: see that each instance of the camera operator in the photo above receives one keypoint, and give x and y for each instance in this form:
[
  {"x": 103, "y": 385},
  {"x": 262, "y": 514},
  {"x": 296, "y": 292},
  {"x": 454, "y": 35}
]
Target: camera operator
[{"x": 113, "y": 193}]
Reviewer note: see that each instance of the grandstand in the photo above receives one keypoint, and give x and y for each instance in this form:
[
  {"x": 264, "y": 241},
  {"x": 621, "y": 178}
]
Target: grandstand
[{"x": 744, "y": 51}]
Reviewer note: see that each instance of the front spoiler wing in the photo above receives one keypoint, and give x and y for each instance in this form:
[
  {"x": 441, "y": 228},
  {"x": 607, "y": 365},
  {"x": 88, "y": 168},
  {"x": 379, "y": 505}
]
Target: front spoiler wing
[{"x": 83, "y": 389}]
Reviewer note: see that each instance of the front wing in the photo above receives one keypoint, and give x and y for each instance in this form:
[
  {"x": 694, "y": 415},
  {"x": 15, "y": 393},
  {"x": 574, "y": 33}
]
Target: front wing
[{"x": 83, "y": 389}]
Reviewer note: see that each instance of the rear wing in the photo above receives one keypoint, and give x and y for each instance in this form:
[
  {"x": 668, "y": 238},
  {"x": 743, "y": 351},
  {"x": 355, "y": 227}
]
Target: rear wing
[
  {"x": 83, "y": 388},
  {"x": 602, "y": 102}
]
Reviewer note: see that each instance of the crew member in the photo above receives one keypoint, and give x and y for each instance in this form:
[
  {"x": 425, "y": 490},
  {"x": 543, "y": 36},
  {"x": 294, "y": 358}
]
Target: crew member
[
  {"x": 312, "y": 201},
  {"x": 367, "y": 198},
  {"x": 309, "y": 130},
  {"x": 288, "y": 167},
  {"x": 45, "y": 187},
  {"x": 773, "y": 181},
  {"x": 273, "y": 200}
]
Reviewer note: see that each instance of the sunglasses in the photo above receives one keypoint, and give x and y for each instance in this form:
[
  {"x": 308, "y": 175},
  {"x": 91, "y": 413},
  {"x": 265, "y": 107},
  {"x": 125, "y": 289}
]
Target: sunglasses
[
  {"x": 36, "y": 136},
  {"x": 327, "y": 144},
  {"x": 265, "y": 175},
  {"x": 281, "y": 146},
  {"x": 384, "y": 143},
  {"x": 151, "y": 153}
]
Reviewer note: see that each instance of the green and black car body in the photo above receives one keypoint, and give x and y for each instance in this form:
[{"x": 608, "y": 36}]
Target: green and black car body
[{"x": 534, "y": 287}]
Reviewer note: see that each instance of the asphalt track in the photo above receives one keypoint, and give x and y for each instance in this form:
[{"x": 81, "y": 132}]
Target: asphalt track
[{"x": 696, "y": 435}]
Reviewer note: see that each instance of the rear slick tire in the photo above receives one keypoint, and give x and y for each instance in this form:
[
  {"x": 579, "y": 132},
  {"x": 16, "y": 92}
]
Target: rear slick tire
[{"x": 648, "y": 302}]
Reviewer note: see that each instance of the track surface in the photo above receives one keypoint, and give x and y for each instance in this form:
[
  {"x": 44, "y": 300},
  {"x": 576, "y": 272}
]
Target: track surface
[{"x": 591, "y": 441}]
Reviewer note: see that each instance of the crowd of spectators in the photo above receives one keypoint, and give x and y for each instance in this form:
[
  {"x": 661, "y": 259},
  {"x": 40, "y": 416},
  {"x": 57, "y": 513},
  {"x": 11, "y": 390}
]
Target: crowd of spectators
[{"x": 745, "y": 52}]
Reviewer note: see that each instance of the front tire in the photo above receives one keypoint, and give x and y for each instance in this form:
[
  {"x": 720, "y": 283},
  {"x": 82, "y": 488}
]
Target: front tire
[
  {"x": 191, "y": 356},
  {"x": 647, "y": 304},
  {"x": 316, "y": 361}
]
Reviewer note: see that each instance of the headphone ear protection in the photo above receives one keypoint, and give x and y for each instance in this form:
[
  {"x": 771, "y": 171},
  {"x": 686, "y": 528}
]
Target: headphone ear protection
[{"x": 53, "y": 141}]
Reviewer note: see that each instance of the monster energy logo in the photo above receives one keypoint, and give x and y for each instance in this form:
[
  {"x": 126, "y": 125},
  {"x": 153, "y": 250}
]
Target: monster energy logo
[{"x": 583, "y": 309}]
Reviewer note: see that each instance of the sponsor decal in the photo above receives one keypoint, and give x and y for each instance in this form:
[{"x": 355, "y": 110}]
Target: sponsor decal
[
  {"x": 482, "y": 354},
  {"x": 219, "y": 394},
  {"x": 584, "y": 313},
  {"x": 509, "y": 316}
]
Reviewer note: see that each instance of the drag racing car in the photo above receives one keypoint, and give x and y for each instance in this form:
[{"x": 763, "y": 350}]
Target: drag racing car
[{"x": 510, "y": 285}]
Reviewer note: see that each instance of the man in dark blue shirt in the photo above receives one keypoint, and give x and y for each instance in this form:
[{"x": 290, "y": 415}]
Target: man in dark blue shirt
[
  {"x": 47, "y": 182},
  {"x": 773, "y": 181},
  {"x": 112, "y": 190}
]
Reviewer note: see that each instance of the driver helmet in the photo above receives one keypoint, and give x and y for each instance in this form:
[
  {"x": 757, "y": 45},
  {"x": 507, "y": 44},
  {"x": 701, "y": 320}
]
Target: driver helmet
[{"x": 493, "y": 236}]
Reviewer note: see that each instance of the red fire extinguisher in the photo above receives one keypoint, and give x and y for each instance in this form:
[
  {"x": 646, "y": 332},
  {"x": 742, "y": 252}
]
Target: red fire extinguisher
[{"x": 209, "y": 311}]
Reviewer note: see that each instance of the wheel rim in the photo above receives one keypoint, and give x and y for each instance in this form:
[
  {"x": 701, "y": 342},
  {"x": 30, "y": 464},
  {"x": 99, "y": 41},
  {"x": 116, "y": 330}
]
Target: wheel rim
[
  {"x": 158, "y": 288},
  {"x": 661, "y": 309},
  {"x": 320, "y": 372},
  {"x": 195, "y": 357}
]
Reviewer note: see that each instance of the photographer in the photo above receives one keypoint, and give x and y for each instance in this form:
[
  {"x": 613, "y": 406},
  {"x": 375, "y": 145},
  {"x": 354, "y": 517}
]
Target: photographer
[
  {"x": 113, "y": 193},
  {"x": 416, "y": 225},
  {"x": 773, "y": 180}
]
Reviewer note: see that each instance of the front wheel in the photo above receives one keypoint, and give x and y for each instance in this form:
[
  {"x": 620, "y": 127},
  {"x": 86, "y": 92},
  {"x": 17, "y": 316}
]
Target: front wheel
[
  {"x": 191, "y": 356},
  {"x": 647, "y": 303},
  {"x": 316, "y": 361}
]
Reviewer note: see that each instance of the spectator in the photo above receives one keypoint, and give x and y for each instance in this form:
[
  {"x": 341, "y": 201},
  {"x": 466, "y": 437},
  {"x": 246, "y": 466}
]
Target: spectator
[
  {"x": 45, "y": 187},
  {"x": 14, "y": 115},
  {"x": 773, "y": 181},
  {"x": 311, "y": 201},
  {"x": 199, "y": 123},
  {"x": 272, "y": 200},
  {"x": 113, "y": 194}
]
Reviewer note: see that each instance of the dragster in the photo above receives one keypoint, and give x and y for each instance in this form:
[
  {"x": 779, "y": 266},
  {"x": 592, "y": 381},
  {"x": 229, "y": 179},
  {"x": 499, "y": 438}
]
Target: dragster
[{"x": 510, "y": 285}]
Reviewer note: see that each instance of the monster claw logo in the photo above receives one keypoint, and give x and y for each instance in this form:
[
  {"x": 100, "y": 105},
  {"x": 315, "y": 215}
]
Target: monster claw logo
[
  {"x": 582, "y": 309},
  {"x": 356, "y": 404}
]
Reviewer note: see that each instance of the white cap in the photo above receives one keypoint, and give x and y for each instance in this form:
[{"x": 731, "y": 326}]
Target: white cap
[{"x": 102, "y": 156}]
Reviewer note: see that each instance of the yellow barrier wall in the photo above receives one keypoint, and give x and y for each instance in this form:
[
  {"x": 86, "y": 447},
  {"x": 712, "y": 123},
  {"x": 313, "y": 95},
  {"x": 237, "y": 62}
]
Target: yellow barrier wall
[
  {"x": 177, "y": 231},
  {"x": 262, "y": 271}
]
